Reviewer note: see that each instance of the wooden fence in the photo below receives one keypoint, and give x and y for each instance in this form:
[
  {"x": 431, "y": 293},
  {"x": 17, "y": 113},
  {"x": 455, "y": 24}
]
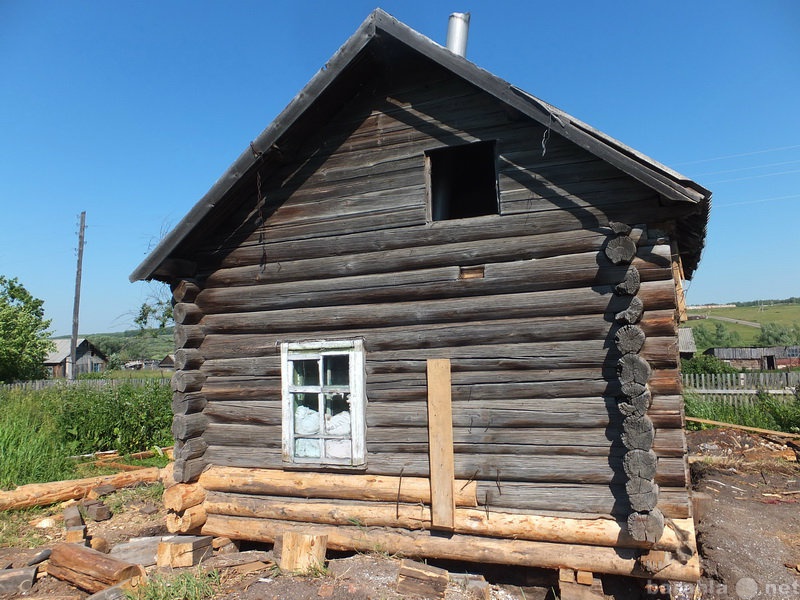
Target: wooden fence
[
  {"x": 42, "y": 384},
  {"x": 742, "y": 388}
]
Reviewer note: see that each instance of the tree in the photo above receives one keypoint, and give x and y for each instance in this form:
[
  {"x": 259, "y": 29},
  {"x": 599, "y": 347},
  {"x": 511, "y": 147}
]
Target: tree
[
  {"x": 156, "y": 311},
  {"x": 720, "y": 337},
  {"x": 705, "y": 363},
  {"x": 774, "y": 334},
  {"x": 24, "y": 335}
]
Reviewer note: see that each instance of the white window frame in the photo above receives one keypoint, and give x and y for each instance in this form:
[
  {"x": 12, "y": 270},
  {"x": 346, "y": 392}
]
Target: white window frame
[{"x": 291, "y": 351}]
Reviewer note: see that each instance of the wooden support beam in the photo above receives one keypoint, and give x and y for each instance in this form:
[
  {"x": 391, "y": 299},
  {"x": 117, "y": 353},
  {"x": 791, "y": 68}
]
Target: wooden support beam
[
  {"x": 303, "y": 552},
  {"x": 183, "y": 550},
  {"x": 458, "y": 547},
  {"x": 440, "y": 439},
  {"x": 273, "y": 482},
  {"x": 419, "y": 579}
]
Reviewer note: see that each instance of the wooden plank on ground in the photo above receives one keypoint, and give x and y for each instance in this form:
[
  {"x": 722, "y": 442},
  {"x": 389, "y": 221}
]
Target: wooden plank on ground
[
  {"x": 440, "y": 437},
  {"x": 743, "y": 427}
]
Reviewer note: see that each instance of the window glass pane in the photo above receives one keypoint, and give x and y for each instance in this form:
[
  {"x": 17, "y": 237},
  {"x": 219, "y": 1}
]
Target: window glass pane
[
  {"x": 306, "y": 413},
  {"x": 337, "y": 414},
  {"x": 338, "y": 448},
  {"x": 306, "y": 448},
  {"x": 336, "y": 369},
  {"x": 305, "y": 372}
]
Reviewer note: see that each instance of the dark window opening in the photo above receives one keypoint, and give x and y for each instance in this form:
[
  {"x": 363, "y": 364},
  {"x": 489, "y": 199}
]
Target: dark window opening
[{"x": 463, "y": 181}]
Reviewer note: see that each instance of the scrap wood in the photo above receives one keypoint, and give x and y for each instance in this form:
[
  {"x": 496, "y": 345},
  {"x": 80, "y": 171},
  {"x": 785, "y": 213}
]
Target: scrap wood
[
  {"x": 43, "y": 494},
  {"x": 781, "y": 434}
]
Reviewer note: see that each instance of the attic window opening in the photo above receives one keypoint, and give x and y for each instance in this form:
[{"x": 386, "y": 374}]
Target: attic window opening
[{"x": 463, "y": 181}]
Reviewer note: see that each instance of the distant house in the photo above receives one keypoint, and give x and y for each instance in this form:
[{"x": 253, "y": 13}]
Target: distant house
[
  {"x": 763, "y": 359},
  {"x": 168, "y": 362},
  {"x": 88, "y": 359}
]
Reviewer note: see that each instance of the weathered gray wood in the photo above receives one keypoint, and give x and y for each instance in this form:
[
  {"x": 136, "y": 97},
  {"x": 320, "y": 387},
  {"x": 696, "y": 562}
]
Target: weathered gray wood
[
  {"x": 186, "y": 471},
  {"x": 190, "y": 448},
  {"x": 186, "y": 313},
  {"x": 632, "y": 313},
  {"x": 620, "y": 250},
  {"x": 619, "y": 228},
  {"x": 637, "y": 433},
  {"x": 633, "y": 368},
  {"x": 72, "y": 516},
  {"x": 184, "y": 403},
  {"x": 629, "y": 339},
  {"x": 640, "y": 463},
  {"x": 17, "y": 581},
  {"x": 188, "y": 426},
  {"x": 499, "y": 467},
  {"x": 185, "y": 290},
  {"x": 636, "y": 406},
  {"x": 141, "y": 551},
  {"x": 646, "y": 526},
  {"x": 188, "y": 359},
  {"x": 187, "y": 381},
  {"x": 630, "y": 285},
  {"x": 188, "y": 336},
  {"x": 642, "y": 494}
]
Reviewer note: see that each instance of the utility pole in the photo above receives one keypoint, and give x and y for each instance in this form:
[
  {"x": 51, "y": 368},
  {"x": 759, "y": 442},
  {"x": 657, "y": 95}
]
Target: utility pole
[{"x": 73, "y": 344}]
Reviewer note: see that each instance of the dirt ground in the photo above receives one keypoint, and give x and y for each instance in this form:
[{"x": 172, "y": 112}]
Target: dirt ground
[{"x": 748, "y": 534}]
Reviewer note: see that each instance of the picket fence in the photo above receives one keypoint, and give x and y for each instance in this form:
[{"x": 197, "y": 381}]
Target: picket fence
[
  {"x": 42, "y": 384},
  {"x": 741, "y": 389}
]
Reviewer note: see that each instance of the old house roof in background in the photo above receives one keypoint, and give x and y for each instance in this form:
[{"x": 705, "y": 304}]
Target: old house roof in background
[
  {"x": 62, "y": 351},
  {"x": 382, "y": 40}
]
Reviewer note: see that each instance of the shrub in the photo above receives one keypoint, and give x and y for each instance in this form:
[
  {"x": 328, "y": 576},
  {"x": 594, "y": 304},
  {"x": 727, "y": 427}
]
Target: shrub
[{"x": 705, "y": 363}]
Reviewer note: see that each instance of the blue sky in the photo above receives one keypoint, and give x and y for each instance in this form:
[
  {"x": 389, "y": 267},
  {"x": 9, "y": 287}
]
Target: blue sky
[{"x": 131, "y": 110}]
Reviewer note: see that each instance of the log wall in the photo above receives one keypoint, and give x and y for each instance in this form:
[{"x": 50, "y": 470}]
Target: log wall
[{"x": 335, "y": 243}]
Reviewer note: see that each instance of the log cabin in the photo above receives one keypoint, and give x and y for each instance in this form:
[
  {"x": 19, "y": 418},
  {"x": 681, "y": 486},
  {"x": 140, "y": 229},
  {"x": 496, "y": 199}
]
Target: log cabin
[{"x": 429, "y": 313}]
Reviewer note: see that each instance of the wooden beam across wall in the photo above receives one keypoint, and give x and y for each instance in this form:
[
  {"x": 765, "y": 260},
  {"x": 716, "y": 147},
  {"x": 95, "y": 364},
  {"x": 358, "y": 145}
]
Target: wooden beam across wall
[{"x": 440, "y": 439}]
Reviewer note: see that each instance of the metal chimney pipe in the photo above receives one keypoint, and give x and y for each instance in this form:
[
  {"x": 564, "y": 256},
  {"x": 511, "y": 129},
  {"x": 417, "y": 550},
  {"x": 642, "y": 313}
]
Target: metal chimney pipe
[{"x": 457, "y": 33}]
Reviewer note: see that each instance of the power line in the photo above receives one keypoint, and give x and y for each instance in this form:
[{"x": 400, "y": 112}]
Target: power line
[
  {"x": 758, "y": 201},
  {"x": 702, "y": 160},
  {"x": 775, "y": 164},
  {"x": 754, "y": 177}
]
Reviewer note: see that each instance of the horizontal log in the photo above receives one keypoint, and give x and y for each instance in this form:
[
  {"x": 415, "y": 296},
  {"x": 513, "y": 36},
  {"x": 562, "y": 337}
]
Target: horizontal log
[
  {"x": 188, "y": 336},
  {"x": 273, "y": 482},
  {"x": 187, "y": 381},
  {"x": 187, "y": 521},
  {"x": 494, "y": 467},
  {"x": 188, "y": 426},
  {"x": 659, "y": 295},
  {"x": 181, "y": 496},
  {"x": 185, "y": 290},
  {"x": 186, "y": 313},
  {"x": 43, "y": 494},
  {"x": 575, "y": 271},
  {"x": 584, "y": 499},
  {"x": 184, "y": 403},
  {"x": 187, "y": 449},
  {"x": 188, "y": 470},
  {"x": 457, "y": 547},
  {"x": 188, "y": 359},
  {"x": 89, "y": 569},
  {"x": 594, "y": 532}
]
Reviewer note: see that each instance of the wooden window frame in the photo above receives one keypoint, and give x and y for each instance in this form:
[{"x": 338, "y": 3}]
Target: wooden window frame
[{"x": 357, "y": 399}]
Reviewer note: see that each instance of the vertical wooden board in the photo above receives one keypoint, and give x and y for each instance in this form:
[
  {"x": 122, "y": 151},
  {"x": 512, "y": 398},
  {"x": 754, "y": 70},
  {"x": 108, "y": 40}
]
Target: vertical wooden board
[
  {"x": 440, "y": 438},
  {"x": 302, "y": 552}
]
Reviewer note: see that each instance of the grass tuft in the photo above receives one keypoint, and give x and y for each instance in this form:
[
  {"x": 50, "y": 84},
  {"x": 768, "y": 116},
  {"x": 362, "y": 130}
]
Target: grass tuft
[{"x": 189, "y": 585}]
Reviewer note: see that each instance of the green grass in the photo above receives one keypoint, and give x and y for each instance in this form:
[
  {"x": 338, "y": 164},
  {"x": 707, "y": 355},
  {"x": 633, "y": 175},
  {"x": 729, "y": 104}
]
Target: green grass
[
  {"x": 783, "y": 314},
  {"x": 747, "y": 334},
  {"x": 766, "y": 412},
  {"x": 40, "y": 429},
  {"x": 189, "y": 585}
]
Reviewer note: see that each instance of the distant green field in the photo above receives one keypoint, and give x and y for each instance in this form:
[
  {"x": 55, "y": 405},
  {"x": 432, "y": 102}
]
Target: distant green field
[{"x": 782, "y": 314}]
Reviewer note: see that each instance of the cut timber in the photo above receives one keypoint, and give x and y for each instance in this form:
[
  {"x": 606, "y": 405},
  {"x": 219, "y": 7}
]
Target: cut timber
[
  {"x": 188, "y": 426},
  {"x": 577, "y": 591},
  {"x": 620, "y": 228},
  {"x": 17, "y": 581},
  {"x": 642, "y": 493},
  {"x": 188, "y": 358},
  {"x": 646, "y": 526},
  {"x": 89, "y": 569},
  {"x": 140, "y": 551},
  {"x": 75, "y": 534},
  {"x": 187, "y": 381},
  {"x": 189, "y": 336},
  {"x": 637, "y": 433},
  {"x": 272, "y": 482},
  {"x": 633, "y": 368},
  {"x": 632, "y": 314},
  {"x": 614, "y": 561},
  {"x": 42, "y": 494},
  {"x": 423, "y": 580},
  {"x": 185, "y": 290},
  {"x": 185, "y": 470},
  {"x": 620, "y": 250},
  {"x": 595, "y": 532},
  {"x": 636, "y": 406},
  {"x": 440, "y": 442},
  {"x": 629, "y": 339},
  {"x": 183, "y": 550},
  {"x": 187, "y": 521},
  {"x": 72, "y": 516},
  {"x": 121, "y": 591},
  {"x": 303, "y": 552},
  {"x": 181, "y": 496},
  {"x": 640, "y": 463},
  {"x": 631, "y": 284},
  {"x": 186, "y": 313}
]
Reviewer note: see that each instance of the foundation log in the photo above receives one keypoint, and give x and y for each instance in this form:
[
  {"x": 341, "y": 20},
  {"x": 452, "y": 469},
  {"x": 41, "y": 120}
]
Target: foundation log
[
  {"x": 593, "y": 532},
  {"x": 272, "y": 482},
  {"x": 188, "y": 521},
  {"x": 467, "y": 548},
  {"x": 182, "y": 496},
  {"x": 89, "y": 569}
]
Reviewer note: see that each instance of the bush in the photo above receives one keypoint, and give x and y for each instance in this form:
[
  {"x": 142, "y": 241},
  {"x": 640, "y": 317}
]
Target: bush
[
  {"x": 766, "y": 412},
  {"x": 705, "y": 363},
  {"x": 40, "y": 429}
]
